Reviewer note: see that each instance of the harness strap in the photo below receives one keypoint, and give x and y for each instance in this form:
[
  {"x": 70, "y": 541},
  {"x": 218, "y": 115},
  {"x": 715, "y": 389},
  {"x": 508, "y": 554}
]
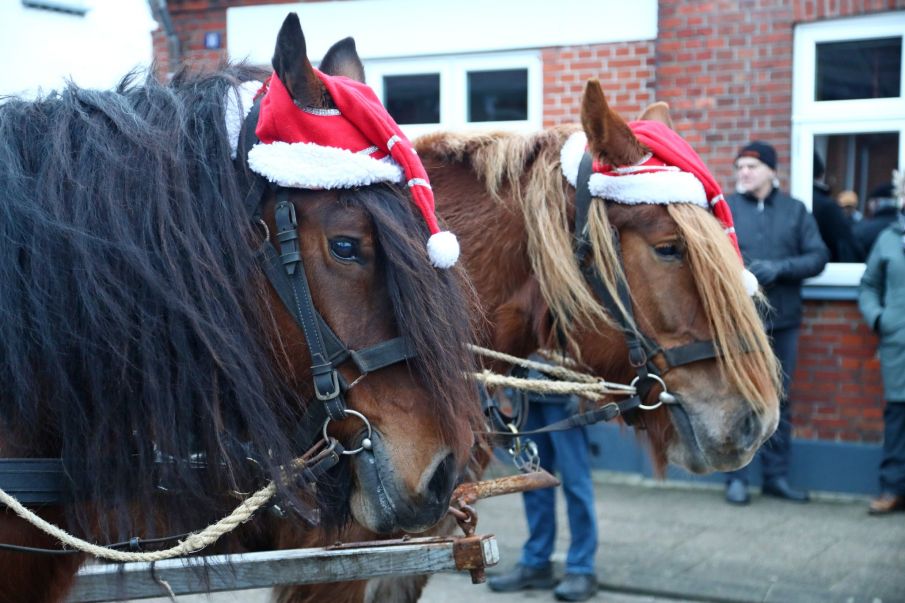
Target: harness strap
[
  {"x": 607, "y": 412},
  {"x": 323, "y": 374}
]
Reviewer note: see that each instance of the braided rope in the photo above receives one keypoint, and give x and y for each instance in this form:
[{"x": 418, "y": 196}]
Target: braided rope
[
  {"x": 572, "y": 382},
  {"x": 192, "y": 544}
]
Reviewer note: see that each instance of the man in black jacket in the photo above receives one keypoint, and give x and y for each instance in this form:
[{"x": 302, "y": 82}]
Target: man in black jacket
[
  {"x": 781, "y": 245},
  {"x": 835, "y": 228}
]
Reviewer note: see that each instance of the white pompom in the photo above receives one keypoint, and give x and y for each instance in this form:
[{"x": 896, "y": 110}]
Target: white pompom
[
  {"x": 750, "y": 281},
  {"x": 443, "y": 249}
]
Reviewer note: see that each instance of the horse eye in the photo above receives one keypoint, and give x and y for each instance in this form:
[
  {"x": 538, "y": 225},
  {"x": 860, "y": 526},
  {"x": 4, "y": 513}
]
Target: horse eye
[
  {"x": 669, "y": 251},
  {"x": 344, "y": 249}
]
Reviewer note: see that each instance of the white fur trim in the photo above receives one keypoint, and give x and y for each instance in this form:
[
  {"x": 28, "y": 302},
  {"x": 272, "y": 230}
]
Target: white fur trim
[
  {"x": 571, "y": 154},
  {"x": 443, "y": 249},
  {"x": 750, "y": 281},
  {"x": 309, "y": 165},
  {"x": 239, "y": 102},
  {"x": 656, "y": 187},
  {"x": 666, "y": 184}
]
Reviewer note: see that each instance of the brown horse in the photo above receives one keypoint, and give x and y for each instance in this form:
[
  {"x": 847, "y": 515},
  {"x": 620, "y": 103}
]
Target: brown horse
[
  {"x": 143, "y": 345},
  {"x": 506, "y": 197}
]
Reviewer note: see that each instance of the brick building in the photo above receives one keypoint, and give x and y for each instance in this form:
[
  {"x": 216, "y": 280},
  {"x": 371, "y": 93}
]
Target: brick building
[{"x": 807, "y": 75}]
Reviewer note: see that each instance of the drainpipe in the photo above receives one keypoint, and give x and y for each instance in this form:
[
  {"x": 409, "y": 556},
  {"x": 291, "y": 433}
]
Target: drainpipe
[{"x": 162, "y": 15}]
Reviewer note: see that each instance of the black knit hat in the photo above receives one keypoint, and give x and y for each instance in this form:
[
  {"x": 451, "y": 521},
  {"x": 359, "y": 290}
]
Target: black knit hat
[{"x": 759, "y": 150}]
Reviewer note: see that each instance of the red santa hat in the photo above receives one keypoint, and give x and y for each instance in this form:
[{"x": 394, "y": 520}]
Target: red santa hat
[
  {"x": 672, "y": 172},
  {"x": 356, "y": 144}
]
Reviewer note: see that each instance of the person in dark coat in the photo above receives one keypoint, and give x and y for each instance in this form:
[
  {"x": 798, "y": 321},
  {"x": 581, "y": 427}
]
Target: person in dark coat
[
  {"x": 835, "y": 227},
  {"x": 885, "y": 210},
  {"x": 881, "y": 300},
  {"x": 781, "y": 245}
]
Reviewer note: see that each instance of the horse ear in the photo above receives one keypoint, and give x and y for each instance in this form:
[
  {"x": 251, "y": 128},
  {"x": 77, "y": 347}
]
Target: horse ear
[
  {"x": 343, "y": 59},
  {"x": 291, "y": 64},
  {"x": 609, "y": 138},
  {"x": 659, "y": 111}
]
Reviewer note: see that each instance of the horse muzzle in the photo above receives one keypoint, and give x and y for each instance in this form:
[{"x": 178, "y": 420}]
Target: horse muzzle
[
  {"x": 384, "y": 504},
  {"x": 707, "y": 444}
]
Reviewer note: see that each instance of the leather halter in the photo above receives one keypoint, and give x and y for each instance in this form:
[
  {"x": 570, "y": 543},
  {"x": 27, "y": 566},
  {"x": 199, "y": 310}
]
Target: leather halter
[
  {"x": 286, "y": 273},
  {"x": 641, "y": 348}
]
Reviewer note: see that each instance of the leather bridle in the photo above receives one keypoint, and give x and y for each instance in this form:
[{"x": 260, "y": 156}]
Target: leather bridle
[{"x": 642, "y": 349}]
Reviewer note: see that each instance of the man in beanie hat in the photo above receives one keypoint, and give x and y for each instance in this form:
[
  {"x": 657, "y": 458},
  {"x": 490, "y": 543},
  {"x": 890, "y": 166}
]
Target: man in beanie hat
[{"x": 781, "y": 245}]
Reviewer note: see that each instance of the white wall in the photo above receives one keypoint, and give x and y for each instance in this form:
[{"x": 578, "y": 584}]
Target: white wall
[
  {"x": 41, "y": 48},
  {"x": 405, "y": 28}
]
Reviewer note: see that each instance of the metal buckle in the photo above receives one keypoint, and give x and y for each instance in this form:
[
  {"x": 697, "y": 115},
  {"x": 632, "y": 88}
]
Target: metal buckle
[{"x": 334, "y": 389}]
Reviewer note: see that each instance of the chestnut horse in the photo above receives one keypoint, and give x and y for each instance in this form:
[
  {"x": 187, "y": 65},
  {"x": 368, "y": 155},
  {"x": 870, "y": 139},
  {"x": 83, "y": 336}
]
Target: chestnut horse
[
  {"x": 142, "y": 344},
  {"x": 506, "y": 197}
]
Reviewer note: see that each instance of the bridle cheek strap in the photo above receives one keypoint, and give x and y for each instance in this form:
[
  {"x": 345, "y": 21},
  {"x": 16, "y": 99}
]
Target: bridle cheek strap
[{"x": 641, "y": 348}]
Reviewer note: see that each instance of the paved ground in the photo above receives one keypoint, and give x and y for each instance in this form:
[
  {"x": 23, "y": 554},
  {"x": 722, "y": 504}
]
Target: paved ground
[{"x": 672, "y": 541}]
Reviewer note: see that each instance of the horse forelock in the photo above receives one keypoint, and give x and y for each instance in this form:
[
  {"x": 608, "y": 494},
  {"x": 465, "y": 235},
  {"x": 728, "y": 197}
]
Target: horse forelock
[
  {"x": 433, "y": 308},
  {"x": 747, "y": 361},
  {"x": 131, "y": 324}
]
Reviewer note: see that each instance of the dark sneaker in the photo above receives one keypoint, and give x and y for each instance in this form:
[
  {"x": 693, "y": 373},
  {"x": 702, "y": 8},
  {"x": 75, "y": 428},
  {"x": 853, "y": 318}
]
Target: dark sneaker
[
  {"x": 779, "y": 488},
  {"x": 737, "y": 492},
  {"x": 522, "y": 577},
  {"x": 576, "y": 587}
]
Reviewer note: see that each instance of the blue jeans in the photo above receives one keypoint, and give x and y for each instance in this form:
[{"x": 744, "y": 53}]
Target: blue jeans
[
  {"x": 775, "y": 453},
  {"x": 566, "y": 451}
]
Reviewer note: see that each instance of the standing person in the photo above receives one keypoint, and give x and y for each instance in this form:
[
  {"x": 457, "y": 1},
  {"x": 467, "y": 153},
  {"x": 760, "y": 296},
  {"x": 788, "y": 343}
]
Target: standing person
[
  {"x": 881, "y": 299},
  {"x": 883, "y": 208},
  {"x": 835, "y": 228},
  {"x": 781, "y": 245},
  {"x": 567, "y": 452}
]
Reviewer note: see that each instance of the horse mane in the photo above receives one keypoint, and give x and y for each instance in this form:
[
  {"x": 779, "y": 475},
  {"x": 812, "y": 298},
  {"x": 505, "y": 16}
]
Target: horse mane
[
  {"x": 134, "y": 318},
  {"x": 530, "y": 165}
]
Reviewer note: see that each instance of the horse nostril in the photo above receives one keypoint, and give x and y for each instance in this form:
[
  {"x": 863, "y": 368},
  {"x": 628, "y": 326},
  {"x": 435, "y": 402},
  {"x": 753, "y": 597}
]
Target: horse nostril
[
  {"x": 748, "y": 429},
  {"x": 441, "y": 483}
]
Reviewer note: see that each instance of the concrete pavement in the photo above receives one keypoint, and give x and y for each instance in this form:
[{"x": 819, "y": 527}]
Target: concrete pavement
[{"x": 679, "y": 540}]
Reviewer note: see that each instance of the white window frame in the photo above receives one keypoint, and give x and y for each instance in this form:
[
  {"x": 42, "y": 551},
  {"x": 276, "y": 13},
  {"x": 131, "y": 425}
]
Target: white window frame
[
  {"x": 453, "y": 71},
  {"x": 814, "y": 118}
]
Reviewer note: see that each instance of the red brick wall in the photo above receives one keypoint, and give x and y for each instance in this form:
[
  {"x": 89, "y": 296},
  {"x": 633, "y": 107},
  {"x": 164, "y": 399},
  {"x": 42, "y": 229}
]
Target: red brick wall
[
  {"x": 625, "y": 70},
  {"x": 837, "y": 392},
  {"x": 192, "y": 19},
  {"x": 725, "y": 68}
]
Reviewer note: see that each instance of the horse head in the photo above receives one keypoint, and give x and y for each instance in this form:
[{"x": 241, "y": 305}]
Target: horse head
[
  {"x": 361, "y": 245},
  {"x": 655, "y": 232},
  {"x": 682, "y": 301}
]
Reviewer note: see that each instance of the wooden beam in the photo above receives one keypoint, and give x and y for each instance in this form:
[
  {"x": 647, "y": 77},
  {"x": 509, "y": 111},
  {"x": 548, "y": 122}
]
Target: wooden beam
[{"x": 115, "y": 582}]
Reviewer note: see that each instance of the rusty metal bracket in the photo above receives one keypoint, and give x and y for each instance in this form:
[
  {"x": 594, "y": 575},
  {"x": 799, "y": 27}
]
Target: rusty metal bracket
[{"x": 475, "y": 553}]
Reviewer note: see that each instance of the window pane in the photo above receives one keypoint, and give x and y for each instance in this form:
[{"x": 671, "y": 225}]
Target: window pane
[
  {"x": 498, "y": 95},
  {"x": 859, "y": 69},
  {"x": 413, "y": 99},
  {"x": 857, "y": 165}
]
